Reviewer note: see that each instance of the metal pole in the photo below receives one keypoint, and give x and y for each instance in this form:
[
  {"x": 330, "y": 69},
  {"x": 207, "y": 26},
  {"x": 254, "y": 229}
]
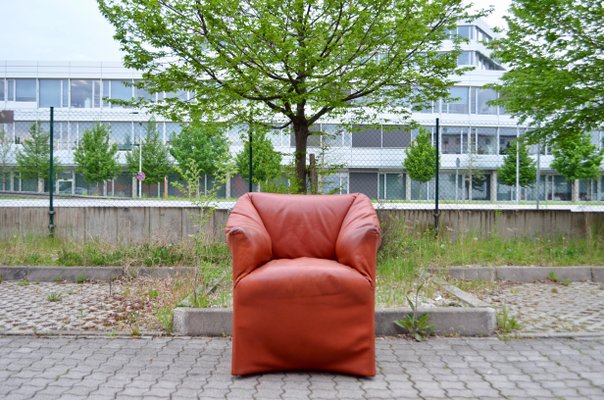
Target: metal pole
[
  {"x": 251, "y": 171},
  {"x": 140, "y": 159},
  {"x": 538, "y": 172},
  {"x": 437, "y": 167},
  {"x": 51, "y": 173},
  {"x": 517, "y": 167},
  {"x": 457, "y": 164}
]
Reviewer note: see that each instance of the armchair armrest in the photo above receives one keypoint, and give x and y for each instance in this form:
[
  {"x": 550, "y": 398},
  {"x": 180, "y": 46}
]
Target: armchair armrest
[
  {"x": 247, "y": 238},
  {"x": 359, "y": 238}
]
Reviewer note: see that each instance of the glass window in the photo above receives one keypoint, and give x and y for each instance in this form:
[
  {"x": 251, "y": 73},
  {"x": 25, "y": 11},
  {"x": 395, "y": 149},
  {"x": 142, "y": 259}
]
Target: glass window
[
  {"x": 481, "y": 97},
  {"x": 81, "y": 93},
  {"x": 10, "y": 89},
  {"x": 50, "y": 93},
  {"x": 25, "y": 90},
  {"x": 486, "y": 140},
  {"x": 465, "y": 58},
  {"x": 366, "y": 136},
  {"x": 465, "y": 31},
  {"x": 120, "y": 91},
  {"x": 392, "y": 186},
  {"x": 172, "y": 129},
  {"x": 333, "y": 184},
  {"x": 1, "y": 89},
  {"x": 506, "y": 136},
  {"x": 121, "y": 134},
  {"x": 395, "y": 137},
  {"x": 451, "y": 140},
  {"x": 460, "y": 105},
  {"x": 97, "y": 94},
  {"x": 364, "y": 182}
]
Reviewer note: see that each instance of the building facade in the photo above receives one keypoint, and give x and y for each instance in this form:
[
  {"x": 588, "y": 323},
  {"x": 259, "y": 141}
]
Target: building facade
[{"x": 368, "y": 159}]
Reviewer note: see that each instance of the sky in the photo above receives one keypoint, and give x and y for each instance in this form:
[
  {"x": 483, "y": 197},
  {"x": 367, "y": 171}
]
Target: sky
[{"x": 75, "y": 30}]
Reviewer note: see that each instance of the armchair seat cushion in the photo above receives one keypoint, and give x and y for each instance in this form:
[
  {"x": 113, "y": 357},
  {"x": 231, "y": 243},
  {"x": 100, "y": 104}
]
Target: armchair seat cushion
[{"x": 295, "y": 314}]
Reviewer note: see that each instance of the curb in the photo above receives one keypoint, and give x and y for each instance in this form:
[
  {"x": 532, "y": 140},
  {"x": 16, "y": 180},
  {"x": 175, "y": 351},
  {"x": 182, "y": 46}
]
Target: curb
[
  {"x": 527, "y": 274},
  {"x": 445, "y": 321},
  {"x": 74, "y": 274}
]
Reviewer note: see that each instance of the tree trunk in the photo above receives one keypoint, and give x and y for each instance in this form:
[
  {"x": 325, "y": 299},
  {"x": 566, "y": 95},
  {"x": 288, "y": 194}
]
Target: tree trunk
[{"x": 301, "y": 136}]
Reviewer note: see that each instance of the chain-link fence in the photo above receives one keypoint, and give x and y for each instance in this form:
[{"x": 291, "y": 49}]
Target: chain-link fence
[{"x": 346, "y": 159}]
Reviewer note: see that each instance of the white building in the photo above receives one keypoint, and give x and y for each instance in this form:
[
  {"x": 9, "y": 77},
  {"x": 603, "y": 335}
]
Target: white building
[{"x": 473, "y": 134}]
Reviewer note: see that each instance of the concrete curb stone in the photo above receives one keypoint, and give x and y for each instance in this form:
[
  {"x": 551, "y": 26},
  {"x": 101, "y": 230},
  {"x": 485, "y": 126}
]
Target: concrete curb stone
[
  {"x": 73, "y": 274},
  {"x": 527, "y": 274}
]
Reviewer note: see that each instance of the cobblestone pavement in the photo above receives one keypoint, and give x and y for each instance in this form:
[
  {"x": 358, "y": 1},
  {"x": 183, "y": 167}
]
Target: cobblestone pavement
[
  {"x": 543, "y": 307},
  {"x": 77, "y": 307},
  {"x": 199, "y": 368}
]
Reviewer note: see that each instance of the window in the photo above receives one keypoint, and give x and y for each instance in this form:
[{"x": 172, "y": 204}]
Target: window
[
  {"x": 25, "y": 90},
  {"x": 395, "y": 137},
  {"x": 482, "y": 36},
  {"x": 364, "y": 182},
  {"x": 465, "y": 31},
  {"x": 392, "y": 186},
  {"x": 480, "y": 99},
  {"x": 486, "y": 140},
  {"x": 366, "y": 136},
  {"x": 121, "y": 134},
  {"x": 460, "y": 104},
  {"x": 451, "y": 140},
  {"x": 120, "y": 91},
  {"x": 506, "y": 136},
  {"x": 465, "y": 58},
  {"x": 1, "y": 89},
  {"x": 81, "y": 93},
  {"x": 51, "y": 93}
]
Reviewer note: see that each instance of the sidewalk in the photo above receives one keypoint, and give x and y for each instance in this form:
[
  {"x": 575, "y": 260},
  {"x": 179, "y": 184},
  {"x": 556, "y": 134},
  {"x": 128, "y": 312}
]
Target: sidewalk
[{"x": 199, "y": 368}]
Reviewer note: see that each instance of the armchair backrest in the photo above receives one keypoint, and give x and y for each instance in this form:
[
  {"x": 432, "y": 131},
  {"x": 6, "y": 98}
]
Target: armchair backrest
[{"x": 302, "y": 225}]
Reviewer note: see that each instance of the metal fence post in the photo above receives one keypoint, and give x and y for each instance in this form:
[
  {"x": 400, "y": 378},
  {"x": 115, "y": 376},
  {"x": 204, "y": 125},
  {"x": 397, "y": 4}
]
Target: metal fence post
[
  {"x": 51, "y": 178},
  {"x": 436, "y": 191}
]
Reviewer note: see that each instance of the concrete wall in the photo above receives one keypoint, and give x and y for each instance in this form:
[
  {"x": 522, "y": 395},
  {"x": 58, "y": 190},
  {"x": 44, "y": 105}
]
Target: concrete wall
[{"x": 174, "y": 224}]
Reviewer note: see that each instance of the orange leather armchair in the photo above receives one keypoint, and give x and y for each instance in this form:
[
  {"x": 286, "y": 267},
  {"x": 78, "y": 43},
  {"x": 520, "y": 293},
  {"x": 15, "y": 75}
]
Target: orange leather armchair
[{"x": 303, "y": 283}]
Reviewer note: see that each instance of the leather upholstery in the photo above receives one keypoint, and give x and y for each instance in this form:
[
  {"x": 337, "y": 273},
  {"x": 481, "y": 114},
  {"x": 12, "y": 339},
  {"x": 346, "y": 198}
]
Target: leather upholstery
[{"x": 304, "y": 281}]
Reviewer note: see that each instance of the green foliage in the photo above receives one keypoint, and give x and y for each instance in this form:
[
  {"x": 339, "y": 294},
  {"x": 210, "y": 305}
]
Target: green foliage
[
  {"x": 33, "y": 158},
  {"x": 289, "y": 60},
  {"x": 54, "y": 297},
  {"x": 506, "y": 323},
  {"x": 23, "y": 282},
  {"x": 420, "y": 158},
  {"x": 553, "y": 49},
  {"x": 81, "y": 278},
  {"x": 552, "y": 276},
  {"x": 95, "y": 157},
  {"x": 266, "y": 162},
  {"x": 203, "y": 143},
  {"x": 155, "y": 160},
  {"x": 153, "y": 294},
  {"x": 527, "y": 169},
  {"x": 416, "y": 325},
  {"x": 577, "y": 158},
  {"x": 6, "y": 148},
  {"x": 165, "y": 316}
]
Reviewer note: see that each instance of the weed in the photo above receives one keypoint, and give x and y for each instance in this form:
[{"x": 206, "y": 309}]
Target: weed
[
  {"x": 1, "y": 278},
  {"x": 23, "y": 282},
  {"x": 553, "y": 277},
  {"x": 153, "y": 294},
  {"x": 135, "y": 332},
  {"x": 54, "y": 297},
  {"x": 601, "y": 287},
  {"x": 57, "y": 279},
  {"x": 417, "y": 326},
  {"x": 165, "y": 317},
  {"x": 505, "y": 322},
  {"x": 565, "y": 282},
  {"x": 81, "y": 278},
  {"x": 70, "y": 258},
  {"x": 554, "y": 290}
]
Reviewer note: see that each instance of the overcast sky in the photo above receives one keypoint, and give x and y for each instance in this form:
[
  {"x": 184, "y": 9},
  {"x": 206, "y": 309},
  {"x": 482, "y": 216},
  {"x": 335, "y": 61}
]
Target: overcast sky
[{"x": 74, "y": 30}]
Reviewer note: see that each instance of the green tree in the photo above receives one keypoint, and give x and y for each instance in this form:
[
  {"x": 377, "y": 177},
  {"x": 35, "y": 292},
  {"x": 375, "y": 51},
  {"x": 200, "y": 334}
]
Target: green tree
[
  {"x": 517, "y": 150},
  {"x": 6, "y": 148},
  {"x": 33, "y": 158},
  {"x": 95, "y": 157},
  {"x": 266, "y": 162},
  {"x": 289, "y": 62},
  {"x": 420, "y": 156},
  {"x": 205, "y": 143},
  {"x": 577, "y": 159},
  {"x": 554, "y": 50},
  {"x": 155, "y": 158}
]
